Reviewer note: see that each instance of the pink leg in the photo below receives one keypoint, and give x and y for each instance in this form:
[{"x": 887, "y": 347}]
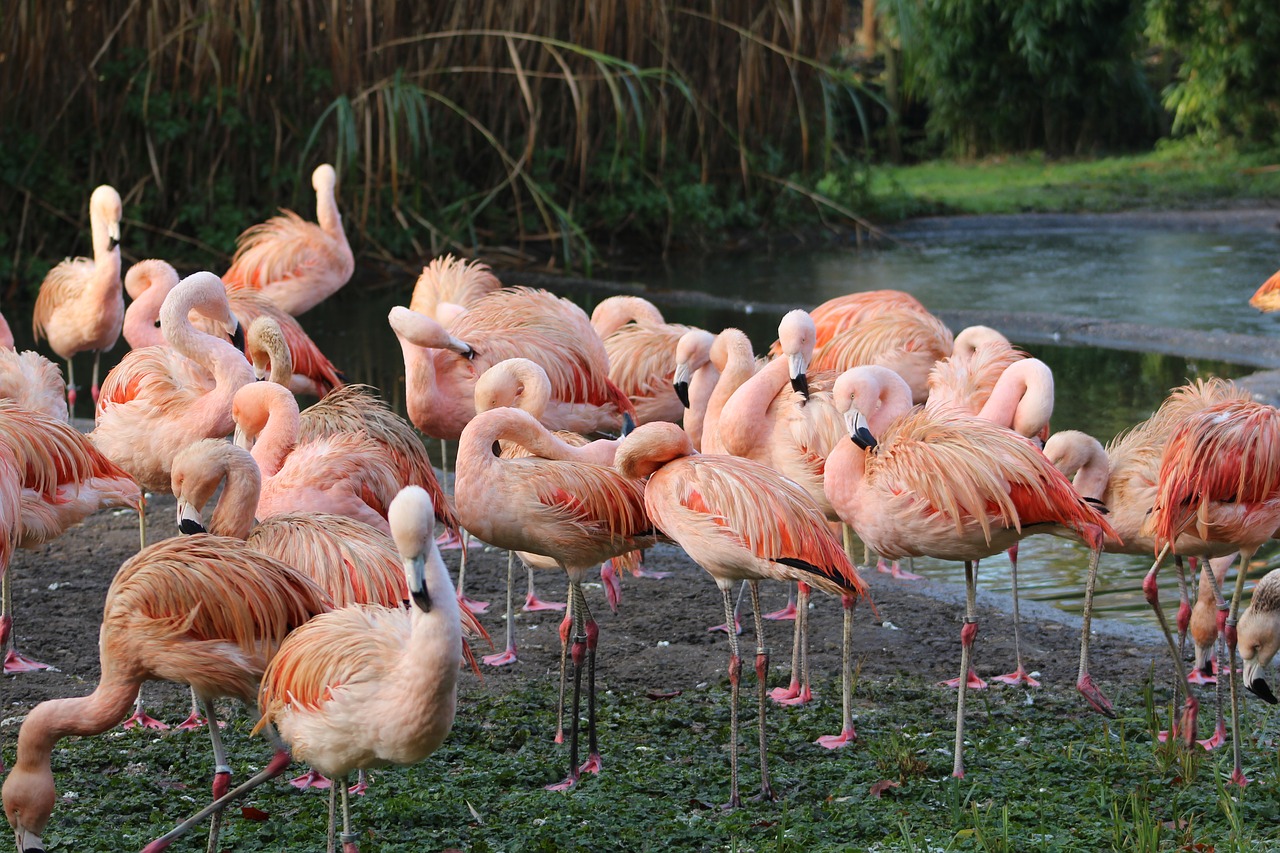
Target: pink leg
[
  {"x": 532, "y": 603},
  {"x": 847, "y": 734},
  {"x": 508, "y": 655},
  {"x": 612, "y": 585}
]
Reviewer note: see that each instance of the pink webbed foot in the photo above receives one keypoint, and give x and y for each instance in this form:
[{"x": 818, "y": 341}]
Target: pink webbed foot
[
  {"x": 612, "y": 585},
  {"x": 1095, "y": 697},
  {"x": 800, "y": 697},
  {"x": 532, "y": 604},
  {"x": 569, "y": 781},
  {"x": 193, "y": 721},
  {"x": 1217, "y": 739},
  {"x": 973, "y": 682},
  {"x": 786, "y": 614},
  {"x": 15, "y": 662},
  {"x": 737, "y": 627},
  {"x": 360, "y": 787},
  {"x": 778, "y": 694},
  {"x": 1198, "y": 677},
  {"x": 501, "y": 658},
  {"x": 311, "y": 779},
  {"x": 476, "y": 607},
  {"x": 592, "y": 764},
  {"x": 1017, "y": 678},
  {"x": 845, "y": 738},
  {"x": 1238, "y": 777},
  {"x": 451, "y": 541},
  {"x": 902, "y": 574},
  {"x": 145, "y": 720}
]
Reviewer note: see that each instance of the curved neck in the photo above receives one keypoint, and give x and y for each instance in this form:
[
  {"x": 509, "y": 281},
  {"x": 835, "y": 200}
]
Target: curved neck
[
  {"x": 233, "y": 516},
  {"x": 617, "y": 311},
  {"x": 1022, "y": 399},
  {"x": 141, "y": 319},
  {"x": 55, "y": 719},
  {"x": 739, "y": 366},
  {"x": 742, "y": 423},
  {"x": 106, "y": 258},
  {"x": 279, "y": 433},
  {"x": 327, "y": 215}
]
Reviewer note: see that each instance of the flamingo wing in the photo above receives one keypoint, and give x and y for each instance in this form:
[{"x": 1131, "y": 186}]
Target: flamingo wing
[
  {"x": 308, "y": 360},
  {"x": 282, "y": 248},
  {"x": 61, "y": 285}
]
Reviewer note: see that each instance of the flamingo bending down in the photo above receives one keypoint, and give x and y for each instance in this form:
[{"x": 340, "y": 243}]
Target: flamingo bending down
[
  {"x": 157, "y": 400},
  {"x": 1220, "y": 479},
  {"x": 1258, "y": 635},
  {"x": 449, "y": 286},
  {"x": 366, "y": 686},
  {"x": 442, "y": 366},
  {"x": 81, "y": 305},
  {"x": 642, "y": 355},
  {"x": 294, "y": 263},
  {"x": 577, "y": 513},
  {"x": 345, "y": 473},
  {"x": 199, "y": 610},
  {"x": 739, "y": 520},
  {"x": 149, "y": 282},
  {"x": 845, "y": 312},
  {"x": 949, "y": 486},
  {"x": 63, "y": 479}
]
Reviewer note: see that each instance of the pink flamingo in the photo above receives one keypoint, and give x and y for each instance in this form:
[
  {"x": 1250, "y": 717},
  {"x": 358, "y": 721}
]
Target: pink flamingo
[
  {"x": 846, "y": 312},
  {"x": 575, "y": 512},
  {"x": 6, "y": 334},
  {"x": 1220, "y": 480},
  {"x": 1258, "y": 635},
  {"x": 33, "y": 382},
  {"x": 158, "y": 400},
  {"x": 344, "y": 473},
  {"x": 199, "y": 610},
  {"x": 953, "y": 487},
  {"x": 731, "y": 353},
  {"x": 294, "y": 263},
  {"x": 442, "y": 366},
  {"x": 81, "y": 305},
  {"x": 363, "y": 687},
  {"x": 740, "y": 520},
  {"x": 62, "y": 479},
  {"x": 449, "y": 286},
  {"x": 149, "y": 282},
  {"x": 907, "y": 342},
  {"x": 642, "y": 355},
  {"x": 694, "y": 379},
  {"x": 520, "y": 383}
]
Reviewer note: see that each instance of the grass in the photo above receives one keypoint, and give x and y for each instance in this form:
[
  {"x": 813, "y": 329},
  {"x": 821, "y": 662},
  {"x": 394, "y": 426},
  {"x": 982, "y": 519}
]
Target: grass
[
  {"x": 1175, "y": 175},
  {"x": 1047, "y": 777}
]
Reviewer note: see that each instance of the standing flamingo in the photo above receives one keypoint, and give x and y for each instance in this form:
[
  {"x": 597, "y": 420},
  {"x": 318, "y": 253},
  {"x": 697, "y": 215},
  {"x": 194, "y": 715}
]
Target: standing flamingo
[
  {"x": 33, "y": 382},
  {"x": 953, "y": 487},
  {"x": 294, "y": 263},
  {"x": 907, "y": 342},
  {"x": 846, "y": 312},
  {"x": 345, "y": 473},
  {"x": 1220, "y": 480},
  {"x": 575, "y": 512},
  {"x": 363, "y": 686},
  {"x": 63, "y": 479},
  {"x": 199, "y": 610},
  {"x": 642, "y": 355},
  {"x": 449, "y": 286},
  {"x": 442, "y": 366},
  {"x": 739, "y": 520},
  {"x": 157, "y": 400},
  {"x": 149, "y": 282},
  {"x": 694, "y": 379},
  {"x": 81, "y": 305}
]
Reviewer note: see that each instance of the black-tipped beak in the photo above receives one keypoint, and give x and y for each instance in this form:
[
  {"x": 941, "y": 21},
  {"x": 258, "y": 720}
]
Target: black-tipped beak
[
  {"x": 112, "y": 243},
  {"x": 1260, "y": 689},
  {"x": 469, "y": 354},
  {"x": 800, "y": 384},
  {"x": 863, "y": 438},
  {"x": 422, "y": 599},
  {"x": 237, "y": 337},
  {"x": 190, "y": 527},
  {"x": 682, "y": 391},
  {"x": 628, "y": 424}
]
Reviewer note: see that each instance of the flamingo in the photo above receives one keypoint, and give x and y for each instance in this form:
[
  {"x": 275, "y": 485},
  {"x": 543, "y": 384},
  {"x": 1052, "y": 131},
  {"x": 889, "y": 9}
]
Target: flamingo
[
  {"x": 1220, "y": 480},
  {"x": 642, "y": 355},
  {"x": 575, "y": 512},
  {"x": 523, "y": 384},
  {"x": 199, "y": 610},
  {"x": 294, "y": 263},
  {"x": 846, "y": 312},
  {"x": 906, "y": 341},
  {"x": 62, "y": 479},
  {"x": 158, "y": 400},
  {"x": 449, "y": 286},
  {"x": 149, "y": 282},
  {"x": 81, "y": 305},
  {"x": 442, "y": 366},
  {"x": 366, "y": 686},
  {"x": 350, "y": 560},
  {"x": 6, "y": 334},
  {"x": 732, "y": 355},
  {"x": 950, "y": 486},
  {"x": 33, "y": 382},
  {"x": 694, "y": 379},
  {"x": 344, "y": 473},
  {"x": 739, "y": 520},
  {"x": 1258, "y": 635}
]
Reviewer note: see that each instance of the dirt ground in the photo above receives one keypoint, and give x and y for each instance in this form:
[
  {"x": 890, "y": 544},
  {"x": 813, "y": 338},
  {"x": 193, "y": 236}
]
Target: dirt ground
[{"x": 657, "y": 641}]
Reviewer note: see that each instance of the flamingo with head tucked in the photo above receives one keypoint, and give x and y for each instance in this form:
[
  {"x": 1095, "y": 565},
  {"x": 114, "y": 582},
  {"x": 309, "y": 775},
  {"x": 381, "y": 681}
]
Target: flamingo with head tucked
[
  {"x": 81, "y": 305},
  {"x": 642, "y": 355}
]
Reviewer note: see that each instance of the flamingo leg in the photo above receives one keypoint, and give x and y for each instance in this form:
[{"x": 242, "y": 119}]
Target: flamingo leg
[
  {"x": 473, "y": 605},
  {"x": 847, "y": 734},
  {"x": 577, "y": 605},
  {"x": 787, "y": 612},
  {"x": 566, "y": 625},
  {"x": 797, "y": 692},
  {"x": 1019, "y": 676},
  {"x": 193, "y": 720},
  {"x": 221, "y": 770},
  {"x": 141, "y": 718},
  {"x": 71, "y": 390},
  {"x": 509, "y": 655},
  {"x": 593, "y": 762},
  {"x": 1219, "y": 736},
  {"x": 1233, "y": 617},
  {"x": 97, "y": 364},
  {"x": 762, "y": 674},
  {"x": 142, "y": 522},
  {"x": 1084, "y": 681},
  {"x": 967, "y": 635},
  {"x": 14, "y": 661},
  {"x": 331, "y": 831},
  {"x": 735, "y": 677},
  {"x": 737, "y": 623},
  {"x": 1186, "y": 727},
  {"x": 533, "y": 603},
  {"x": 348, "y": 837},
  {"x": 1184, "y": 603}
]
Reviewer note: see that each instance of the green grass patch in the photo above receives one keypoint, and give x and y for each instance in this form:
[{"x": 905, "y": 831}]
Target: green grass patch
[
  {"x": 1175, "y": 175},
  {"x": 1047, "y": 776}
]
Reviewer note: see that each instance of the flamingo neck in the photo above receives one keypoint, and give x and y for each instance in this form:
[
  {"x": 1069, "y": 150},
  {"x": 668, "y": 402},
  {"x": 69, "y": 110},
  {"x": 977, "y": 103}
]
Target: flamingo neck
[
  {"x": 743, "y": 426},
  {"x": 739, "y": 366},
  {"x": 535, "y": 390},
  {"x": 701, "y": 387},
  {"x": 233, "y": 516},
  {"x": 1022, "y": 399},
  {"x": 141, "y": 317},
  {"x": 279, "y": 435},
  {"x": 327, "y": 215},
  {"x": 55, "y": 719}
]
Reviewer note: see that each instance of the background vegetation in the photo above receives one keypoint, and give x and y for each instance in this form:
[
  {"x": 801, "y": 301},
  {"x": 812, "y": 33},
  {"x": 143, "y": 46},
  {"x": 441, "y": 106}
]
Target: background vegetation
[{"x": 561, "y": 132}]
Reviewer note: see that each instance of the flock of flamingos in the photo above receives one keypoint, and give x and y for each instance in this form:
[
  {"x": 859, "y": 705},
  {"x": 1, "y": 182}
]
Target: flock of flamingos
[{"x": 314, "y": 590}]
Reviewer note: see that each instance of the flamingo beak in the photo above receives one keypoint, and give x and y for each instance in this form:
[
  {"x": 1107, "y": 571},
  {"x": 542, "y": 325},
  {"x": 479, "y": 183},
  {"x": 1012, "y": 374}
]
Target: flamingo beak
[
  {"x": 189, "y": 520},
  {"x": 680, "y": 381},
  {"x": 799, "y": 374},
  {"x": 113, "y": 236},
  {"x": 417, "y": 567},
  {"x": 859, "y": 432},
  {"x": 1256, "y": 683},
  {"x": 27, "y": 841},
  {"x": 237, "y": 337}
]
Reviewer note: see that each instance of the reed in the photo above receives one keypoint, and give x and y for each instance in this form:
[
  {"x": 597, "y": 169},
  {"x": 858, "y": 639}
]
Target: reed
[{"x": 482, "y": 126}]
